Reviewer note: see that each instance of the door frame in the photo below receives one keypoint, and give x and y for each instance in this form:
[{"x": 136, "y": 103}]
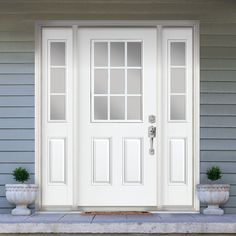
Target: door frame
[{"x": 159, "y": 24}]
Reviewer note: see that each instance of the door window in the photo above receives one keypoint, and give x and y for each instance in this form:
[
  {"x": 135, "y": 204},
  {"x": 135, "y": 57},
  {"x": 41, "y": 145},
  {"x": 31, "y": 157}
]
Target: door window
[{"x": 116, "y": 86}]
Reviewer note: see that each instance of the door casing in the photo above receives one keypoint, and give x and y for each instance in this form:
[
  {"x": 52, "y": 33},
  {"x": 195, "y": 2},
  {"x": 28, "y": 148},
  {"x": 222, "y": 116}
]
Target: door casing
[{"x": 38, "y": 96}]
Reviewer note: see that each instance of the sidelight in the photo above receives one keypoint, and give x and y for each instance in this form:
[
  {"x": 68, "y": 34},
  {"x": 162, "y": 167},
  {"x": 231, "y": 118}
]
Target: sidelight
[
  {"x": 177, "y": 81},
  {"x": 57, "y": 80}
]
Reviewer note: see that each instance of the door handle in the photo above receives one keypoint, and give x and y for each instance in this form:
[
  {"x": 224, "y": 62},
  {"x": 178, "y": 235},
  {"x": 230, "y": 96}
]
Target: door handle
[{"x": 151, "y": 135}]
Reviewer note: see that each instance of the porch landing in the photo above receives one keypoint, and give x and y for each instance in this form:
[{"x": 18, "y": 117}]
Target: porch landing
[{"x": 156, "y": 223}]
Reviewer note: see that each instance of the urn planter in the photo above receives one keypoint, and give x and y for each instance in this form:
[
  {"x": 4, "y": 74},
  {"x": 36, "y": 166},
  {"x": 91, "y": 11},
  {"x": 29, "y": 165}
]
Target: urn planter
[
  {"x": 213, "y": 195},
  {"x": 21, "y": 195}
]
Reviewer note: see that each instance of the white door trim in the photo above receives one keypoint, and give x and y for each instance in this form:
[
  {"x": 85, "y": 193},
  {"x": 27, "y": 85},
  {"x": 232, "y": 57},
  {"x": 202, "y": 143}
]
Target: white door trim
[{"x": 117, "y": 23}]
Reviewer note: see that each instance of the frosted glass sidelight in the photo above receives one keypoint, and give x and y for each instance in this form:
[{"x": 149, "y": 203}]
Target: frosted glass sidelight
[
  {"x": 100, "y": 81},
  {"x": 134, "y": 53},
  {"x": 117, "y": 53},
  {"x": 57, "y": 107},
  {"x": 177, "y": 107},
  {"x": 117, "y": 108},
  {"x": 57, "y": 80},
  {"x": 100, "y": 54},
  {"x": 100, "y": 108},
  {"x": 117, "y": 81},
  {"x": 57, "y": 53},
  {"x": 134, "y": 81},
  {"x": 177, "y": 53},
  {"x": 134, "y": 108},
  {"x": 178, "y": 80}
]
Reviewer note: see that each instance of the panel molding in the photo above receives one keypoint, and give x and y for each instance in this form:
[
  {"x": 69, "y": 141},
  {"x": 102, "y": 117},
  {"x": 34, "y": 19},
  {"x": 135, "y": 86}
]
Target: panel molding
[
  {"x": 61, "y": 166},
  {"x": 173, "y": 173},
  {"x": 126, "y": 154},
  {"x": 98, "y": 171}
]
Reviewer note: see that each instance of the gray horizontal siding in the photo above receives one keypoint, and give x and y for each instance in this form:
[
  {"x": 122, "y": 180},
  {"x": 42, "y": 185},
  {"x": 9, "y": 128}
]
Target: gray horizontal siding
[
  {"x": 16, "y": 123},
  {"x": 218, "y": 104},
  {"x": 218, "y": 74},
  {"x": 217, "y": 121}
]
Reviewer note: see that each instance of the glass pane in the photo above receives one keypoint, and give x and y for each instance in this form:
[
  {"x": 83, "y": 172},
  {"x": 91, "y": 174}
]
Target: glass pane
[
  {"x": 177, "y": 107},
  {"x": 134, "y": 53},
  {"x": 134, "y": 108},
  {"x": 177, "y": 80},
  {"x": 57, "y": 107},
  {"x": 57, "y": 52},
  {"x": 117, "y": 108},
  {"x": 100, "y": 108},
  {"x": 100, "y": 54},
  {"x": 177, "y": 53},
  {"x": 100, "y": 81},
  {"x": 117, "y": 54},
  {"x": 57, "y": 84},
  {"x": 117, "y": 81},
  {"x": 134, "y": 82}
]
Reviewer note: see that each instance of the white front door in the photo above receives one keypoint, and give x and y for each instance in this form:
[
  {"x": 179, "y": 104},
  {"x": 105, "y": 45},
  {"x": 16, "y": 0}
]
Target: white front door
[
  {"x": 104, "y": 91},
  {"x": 116, "y": 94}
]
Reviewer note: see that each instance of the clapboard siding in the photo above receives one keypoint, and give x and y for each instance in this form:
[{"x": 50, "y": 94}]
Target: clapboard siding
[
  {"x": 17, "y": 134},
  {"x": 207, "y": 121},
  {"x": 17, "y": 157},
  {"x": 17, "y": 68},
  {"x": 15, "y": 79},
  {"x": 217, "y": 156},
  {"x": 218, "y": 41},
  {"x": 7, "y": 123},
  {"x": 216, "y": 98},
  {"x": 16, "y": 57},
  {"x": 17, "y": 89},
  {"x": 11, "y": 101},
  {"x": 218, "y": 74},
  {"x": 209, "y": 52},
  {"x": 16, "y": 112},
  {"x": 211, "y": 75},
  {"x": 220, "y": 110},
  {"x": 218, "y": 133},
  {"x": 218, "y": 87},
  {"x": 15, "y": 46}
]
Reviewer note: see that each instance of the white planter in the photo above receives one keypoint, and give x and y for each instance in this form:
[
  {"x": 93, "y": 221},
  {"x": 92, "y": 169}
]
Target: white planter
[
  {"x": 213, "y": 195},
  {"x": 21, "y": 195}
]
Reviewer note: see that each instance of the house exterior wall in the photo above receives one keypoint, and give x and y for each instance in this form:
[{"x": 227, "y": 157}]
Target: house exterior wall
[{"x": 217, "y": 64}]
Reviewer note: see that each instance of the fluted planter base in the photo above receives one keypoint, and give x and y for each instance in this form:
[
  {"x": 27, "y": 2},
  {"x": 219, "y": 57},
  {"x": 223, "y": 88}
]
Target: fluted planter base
[
  {"x": 21, "y": 211},
  {"x": 21, "y": 195},
  {"x": 213, "y": 195},
  {"x": 213, "y": 210}
]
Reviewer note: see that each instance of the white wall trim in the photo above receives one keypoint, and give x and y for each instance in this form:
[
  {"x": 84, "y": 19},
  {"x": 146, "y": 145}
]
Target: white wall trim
[
  {"x": 38, "y": 118},
  {"x": 117, "y": 23},
  {"x": 196, "y": 112}
]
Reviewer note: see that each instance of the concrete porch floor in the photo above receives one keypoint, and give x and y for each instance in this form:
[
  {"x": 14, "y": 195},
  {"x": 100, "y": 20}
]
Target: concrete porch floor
[{"x": 64, "y": 223}]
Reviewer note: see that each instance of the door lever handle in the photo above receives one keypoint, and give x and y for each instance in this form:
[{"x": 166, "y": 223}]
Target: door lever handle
[{"x": 151, "y": 135}]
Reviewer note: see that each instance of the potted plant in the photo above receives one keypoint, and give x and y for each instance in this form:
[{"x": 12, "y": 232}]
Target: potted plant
[
  {"x": 21, "y": 194},
  {"x": 213, "y": 194}
]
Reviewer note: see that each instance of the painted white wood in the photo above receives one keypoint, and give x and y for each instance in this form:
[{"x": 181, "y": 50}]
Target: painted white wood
[
  {"x": 133, "y": 155},
  {"x": 57, "y": 145},
  {"x": 177, "y": 164},
  {"x": 40, "y": 94},
  {"x": 57, "y": 157},
  {"x": 101, "y": 161},
  {"x": 117, "y": 193},
  {"x": 177, "y": 160},
  {"x": 196, "y": 113}
]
